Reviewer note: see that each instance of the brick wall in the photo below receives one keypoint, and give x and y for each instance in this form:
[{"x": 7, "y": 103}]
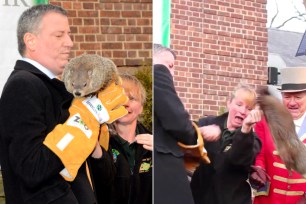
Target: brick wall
[
  {"x": 219, "y": 43},
  {"x": 120, "y": 30}
]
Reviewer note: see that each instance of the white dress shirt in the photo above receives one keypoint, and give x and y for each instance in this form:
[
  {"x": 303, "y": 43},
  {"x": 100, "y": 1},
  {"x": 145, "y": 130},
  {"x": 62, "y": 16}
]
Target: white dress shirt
[{"x": 40, "y": 67}]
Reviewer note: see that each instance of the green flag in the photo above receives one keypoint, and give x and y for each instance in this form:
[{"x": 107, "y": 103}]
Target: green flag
[
  {"x": 161, "y": 22},
  {"x": 39, "y": 2}
]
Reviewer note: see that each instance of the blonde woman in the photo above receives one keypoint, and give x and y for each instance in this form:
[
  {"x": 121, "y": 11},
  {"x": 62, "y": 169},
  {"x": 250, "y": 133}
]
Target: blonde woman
[
  {"x": 130, "y": 149},
  {"x": 232, "y": 146}
]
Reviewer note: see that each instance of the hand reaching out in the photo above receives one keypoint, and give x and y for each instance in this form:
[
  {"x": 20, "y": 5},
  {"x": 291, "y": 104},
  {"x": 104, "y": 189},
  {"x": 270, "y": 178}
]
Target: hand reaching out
[
  {"x": 253, "y": 117},
  {"x": 210, "y": 132},
  {"x": 146, "y": 140}
]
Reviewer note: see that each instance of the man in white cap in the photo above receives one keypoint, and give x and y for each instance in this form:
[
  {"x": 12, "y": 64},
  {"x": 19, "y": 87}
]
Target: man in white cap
[{"x": 276, "y": 184}]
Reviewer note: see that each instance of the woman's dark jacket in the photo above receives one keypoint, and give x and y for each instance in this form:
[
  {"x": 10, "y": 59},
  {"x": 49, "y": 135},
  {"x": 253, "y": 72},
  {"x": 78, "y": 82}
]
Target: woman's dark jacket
[
  {"x": 128, "y": 187},
  {"x": 224, "y": 181}
]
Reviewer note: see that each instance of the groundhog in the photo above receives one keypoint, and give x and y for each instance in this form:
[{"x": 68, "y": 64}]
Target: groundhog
[
  {"x": 291, "y": 150},
  {"x": 88, "y": 73}
]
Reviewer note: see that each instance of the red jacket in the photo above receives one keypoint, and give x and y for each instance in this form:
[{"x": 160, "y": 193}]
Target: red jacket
[{"x": 286, "y": 187}]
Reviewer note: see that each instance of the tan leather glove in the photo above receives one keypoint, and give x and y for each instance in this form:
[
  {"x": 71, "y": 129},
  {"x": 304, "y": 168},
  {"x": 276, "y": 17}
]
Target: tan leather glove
[
  {"x": 108, "y": 105},
  {"x": 75, "y": 140},
  {"x": 198, "y": 150},
  {"x": 194, "y": 153},
  {"x": 104, "y": 137}
]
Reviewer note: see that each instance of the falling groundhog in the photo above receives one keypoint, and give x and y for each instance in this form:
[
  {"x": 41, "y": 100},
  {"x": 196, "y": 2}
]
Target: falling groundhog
[
  {"x": 88, "y": 73},
  {"x": 291, "y": 150}
]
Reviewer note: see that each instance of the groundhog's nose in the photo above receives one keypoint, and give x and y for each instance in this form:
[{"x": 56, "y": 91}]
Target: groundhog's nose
[{"x": 77, "y": 93}]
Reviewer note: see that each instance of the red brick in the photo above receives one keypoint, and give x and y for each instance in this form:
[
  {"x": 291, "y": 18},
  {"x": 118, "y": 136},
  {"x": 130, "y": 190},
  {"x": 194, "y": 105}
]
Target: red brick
[
  {"x": 131, "y": 14},
  {"x": 87, "y": 14},
  {"x": 111, "y": 30},
  {"x": 88, "y": 6},
  {"x": 120, "y": 54},
  {"x": 90, "y": 46},
  {"x": 89, "y": 21},
  {"x": 130, "y": 45},
  {"x": 90, "y": 38},
  {"x": 121, "y": 22},
  {"x": 133, "y": 62},
  {"x": 77, "y": 21},
  {"x": 108, "y": 14},
  {"x": 88, "y": 29},
  {"x": 132, "y": 54},
  {"x": 112, "y": 46}
]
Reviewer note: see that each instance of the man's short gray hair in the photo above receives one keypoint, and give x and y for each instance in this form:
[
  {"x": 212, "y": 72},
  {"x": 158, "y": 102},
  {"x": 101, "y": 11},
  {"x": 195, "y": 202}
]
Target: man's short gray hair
[
  {"x": 158, "y": 48},
  {"x": 30, "y": 20}
]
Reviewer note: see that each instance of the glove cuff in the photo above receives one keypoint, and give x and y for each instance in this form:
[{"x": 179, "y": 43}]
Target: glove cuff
[{"x": 95, "y": 106}]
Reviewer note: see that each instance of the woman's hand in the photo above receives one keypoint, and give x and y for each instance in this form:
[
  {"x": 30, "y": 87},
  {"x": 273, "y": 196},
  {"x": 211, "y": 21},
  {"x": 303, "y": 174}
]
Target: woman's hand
[
  {"x": 253, "y": 117},
  {"x": 210, "y": 133},
  {"x": 146, "y": 140}
]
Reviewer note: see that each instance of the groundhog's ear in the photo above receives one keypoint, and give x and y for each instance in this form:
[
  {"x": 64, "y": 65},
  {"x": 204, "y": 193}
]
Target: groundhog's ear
[
  {"x": 116, "y": 79},
  {"x": 90, "y": 73}
]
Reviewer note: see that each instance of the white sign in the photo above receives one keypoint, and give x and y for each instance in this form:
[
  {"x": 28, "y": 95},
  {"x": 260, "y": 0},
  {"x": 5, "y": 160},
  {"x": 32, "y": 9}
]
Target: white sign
[{"x": 10, "y": 11}]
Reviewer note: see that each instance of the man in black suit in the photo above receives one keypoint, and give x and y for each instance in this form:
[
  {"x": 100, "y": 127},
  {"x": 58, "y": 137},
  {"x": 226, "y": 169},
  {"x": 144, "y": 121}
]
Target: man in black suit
[
  {"x": 171, "y": 125},
  {"x": 46, "y": 138}
]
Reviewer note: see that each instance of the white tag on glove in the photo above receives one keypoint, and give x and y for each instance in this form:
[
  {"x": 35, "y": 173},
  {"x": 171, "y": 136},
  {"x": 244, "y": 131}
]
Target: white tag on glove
[{"x": 94, "y": 105}]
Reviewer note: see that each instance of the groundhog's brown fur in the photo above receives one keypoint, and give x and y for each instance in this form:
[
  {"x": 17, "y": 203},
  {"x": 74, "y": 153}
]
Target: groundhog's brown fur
[
  {"x": 291, "y": 150},
  {"x": 87, "y": 74}
]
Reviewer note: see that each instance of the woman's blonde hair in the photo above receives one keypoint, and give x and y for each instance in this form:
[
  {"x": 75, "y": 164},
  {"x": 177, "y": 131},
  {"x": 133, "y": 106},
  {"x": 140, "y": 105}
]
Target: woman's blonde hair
[
  {"x": 250, "y": 97},
  {"x": 132, "y": 85}
]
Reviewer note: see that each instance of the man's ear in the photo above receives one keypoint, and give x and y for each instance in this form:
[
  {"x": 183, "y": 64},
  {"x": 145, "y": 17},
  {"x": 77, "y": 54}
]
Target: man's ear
[{"x": 30, "y": 41}]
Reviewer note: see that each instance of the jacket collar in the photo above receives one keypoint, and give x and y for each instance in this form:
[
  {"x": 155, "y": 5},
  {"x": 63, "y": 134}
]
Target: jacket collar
[{"x": 26, "y": 66}]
